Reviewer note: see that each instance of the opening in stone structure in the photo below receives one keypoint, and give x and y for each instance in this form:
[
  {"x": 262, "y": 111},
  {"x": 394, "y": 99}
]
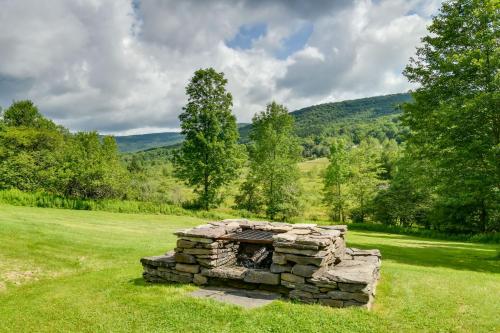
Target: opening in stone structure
[
  {"x": 255, "y": 255},
  {"x": 255, "y": 248}
]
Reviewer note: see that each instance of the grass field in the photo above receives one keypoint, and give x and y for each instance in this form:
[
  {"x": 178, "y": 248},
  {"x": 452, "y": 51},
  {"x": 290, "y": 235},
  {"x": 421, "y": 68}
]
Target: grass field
[{"x": 64, "y": 271}]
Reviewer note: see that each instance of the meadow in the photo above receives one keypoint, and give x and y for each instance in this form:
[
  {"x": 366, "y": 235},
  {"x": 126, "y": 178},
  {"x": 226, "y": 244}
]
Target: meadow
[{"x": 69, "y": 270}]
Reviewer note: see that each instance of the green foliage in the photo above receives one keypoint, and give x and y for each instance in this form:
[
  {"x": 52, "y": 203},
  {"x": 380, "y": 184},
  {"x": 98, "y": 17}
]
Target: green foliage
[
  {"x": 336, "y": 180},
  {"x": 25, "y": 114},
  {"x": 273, "y": 152},
  {"x": 210, "y": 156},
  {"x": 37, "y": 155},
  {"x": 46, "y": 200},
  {"x": 454, "y": 121},
  {"x": 94, "y": 168},
  {"x": 352, "y": 179}
]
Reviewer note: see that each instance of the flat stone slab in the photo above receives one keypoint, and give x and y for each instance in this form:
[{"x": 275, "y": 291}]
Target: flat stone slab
[{"x": 245, "y": 298}]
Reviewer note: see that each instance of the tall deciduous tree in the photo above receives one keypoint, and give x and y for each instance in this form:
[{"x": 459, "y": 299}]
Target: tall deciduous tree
[
  {"x": 335, "y": 181},
  {"x": 274, "y": 152},
  {"x": 210, "y": 155},
  {"x": 455, "y": 119}
]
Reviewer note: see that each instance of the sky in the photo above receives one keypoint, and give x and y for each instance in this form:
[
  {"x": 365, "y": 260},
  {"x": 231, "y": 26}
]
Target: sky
[{"x": 121, "y": 66}]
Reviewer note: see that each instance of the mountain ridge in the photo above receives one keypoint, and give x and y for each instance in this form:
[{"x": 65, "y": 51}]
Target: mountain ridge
[{"x": 315, "y": 120}]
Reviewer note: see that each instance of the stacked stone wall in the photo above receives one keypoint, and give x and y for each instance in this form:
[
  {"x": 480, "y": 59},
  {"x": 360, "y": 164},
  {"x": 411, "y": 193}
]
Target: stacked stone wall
[{"x": 310, "y": 263}]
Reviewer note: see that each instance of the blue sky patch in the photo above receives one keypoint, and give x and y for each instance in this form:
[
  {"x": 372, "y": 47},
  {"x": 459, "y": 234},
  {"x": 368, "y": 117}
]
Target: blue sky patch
[
  {"x": 296, "y": 41},
  {"x": 243, "y": 40}
]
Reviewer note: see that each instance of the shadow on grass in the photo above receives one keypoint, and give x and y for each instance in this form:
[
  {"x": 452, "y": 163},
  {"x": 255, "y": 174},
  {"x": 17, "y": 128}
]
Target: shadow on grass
[{"x": 428, "y": 253}]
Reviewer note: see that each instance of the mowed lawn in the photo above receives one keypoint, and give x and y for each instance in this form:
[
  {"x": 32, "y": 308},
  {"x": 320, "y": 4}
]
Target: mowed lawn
[{"x": 79, "y": 271}]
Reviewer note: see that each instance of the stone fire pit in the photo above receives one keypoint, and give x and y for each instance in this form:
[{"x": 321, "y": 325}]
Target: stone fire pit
[{"x": 303, "y": 262}]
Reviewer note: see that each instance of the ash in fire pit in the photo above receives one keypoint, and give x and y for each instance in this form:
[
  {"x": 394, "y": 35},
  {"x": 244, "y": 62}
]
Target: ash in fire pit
[{"x": 255, "y": 256}]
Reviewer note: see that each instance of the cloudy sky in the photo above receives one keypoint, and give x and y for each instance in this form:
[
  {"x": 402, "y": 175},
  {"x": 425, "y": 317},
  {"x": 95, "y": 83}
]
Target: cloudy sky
[{"x": 120, "y": 66}]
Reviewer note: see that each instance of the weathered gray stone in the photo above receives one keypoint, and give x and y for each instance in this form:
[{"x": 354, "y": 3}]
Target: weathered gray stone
[
  {"x": 324, "y": 284},
  {"x": 262, "y": 276},
  {"x": 361, "y": 253},
  {"x": 300, "y": 295},
  {"x": 285, "y": 238},
  {"x": 275, "y": 268},
  {"x": 279, "y": 258},
  {"x": 165, "y": 260},
  {"x": 307, "y": 287},
  {"x": 311, "y": 253},
  {"x": 306, "y": 260},
  {"x": 197, "y": 239},
  {"x": 350, "y": 287},
  {"x": 199, "y": 279},
  {"x": 343, "y": 295},
  {"x": 230, "y": 272},
  {"x": 304, "y": 270},
  {"x": 217, "y": 262},
  {"x": 319, "y": 241},
  {"x": 187, "y": 268},
  {"x": 185, "y": 244},
  {"x": 185, "y": 258},
  {"x": 296, "y": 246},
  {"x": 206, "y": 251},
  {"x": 292, "y": 278},
  {"x": 351, "y": 271},
  {"x": 300, "y": 231},
  {"x": 245, "y": 298},
  {"x": 207, "y": 231}
]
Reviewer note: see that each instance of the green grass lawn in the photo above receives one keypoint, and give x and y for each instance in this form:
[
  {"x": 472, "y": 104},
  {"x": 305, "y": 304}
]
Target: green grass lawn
[{"x": 63, "y": 270}]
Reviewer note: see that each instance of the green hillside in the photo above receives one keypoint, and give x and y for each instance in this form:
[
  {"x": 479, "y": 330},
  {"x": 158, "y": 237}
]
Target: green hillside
[
  {"x": 365, "y": 115},
  {"x": 131, "y": 143}
]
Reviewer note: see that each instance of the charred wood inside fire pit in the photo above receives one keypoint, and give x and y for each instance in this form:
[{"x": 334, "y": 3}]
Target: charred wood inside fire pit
[{"x": 255, "y": 255}]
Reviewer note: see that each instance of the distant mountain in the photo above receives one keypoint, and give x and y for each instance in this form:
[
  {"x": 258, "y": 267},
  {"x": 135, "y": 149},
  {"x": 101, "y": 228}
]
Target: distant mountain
[
  {"x": 322, "y": 119},
  {"x": 132, "y": 143}
]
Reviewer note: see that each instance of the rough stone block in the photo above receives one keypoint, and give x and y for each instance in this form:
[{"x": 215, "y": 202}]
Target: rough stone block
[
  {"x": 230, "y": 272},
  {"x": 199, "y": 279},
  {"x": 275, "y": 268},
  {"x": 187, "y": 268},
  {"x": 185, "y": 258},
  {"x": 297, "y": 246},
  {"x": 165, "y": 260},
  {"x": 285, "y": 238},
  {"x": 262, "y": 276},
  {"x": 292, "y": 278},
  {"x": 352, "y": 288},
  {"x": 291, "y": 250},
  {"x": 279, "y": 258},
  {"x": 300, "y": 295},
  {"x": 343, "y": 295},
  {"x": 205, "y": 231},
  {"x": 197, "y": 239},
  {"x": 306, "y": 260},
  {"x": 304, "y": 270}
]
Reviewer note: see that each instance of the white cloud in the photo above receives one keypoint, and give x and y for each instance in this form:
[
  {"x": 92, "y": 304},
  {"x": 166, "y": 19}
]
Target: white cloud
[{"x": 109, "y": 66}]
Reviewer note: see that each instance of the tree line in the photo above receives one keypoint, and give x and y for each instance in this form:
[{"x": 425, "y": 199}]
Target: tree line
[{"x": 442, "y": 172}]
